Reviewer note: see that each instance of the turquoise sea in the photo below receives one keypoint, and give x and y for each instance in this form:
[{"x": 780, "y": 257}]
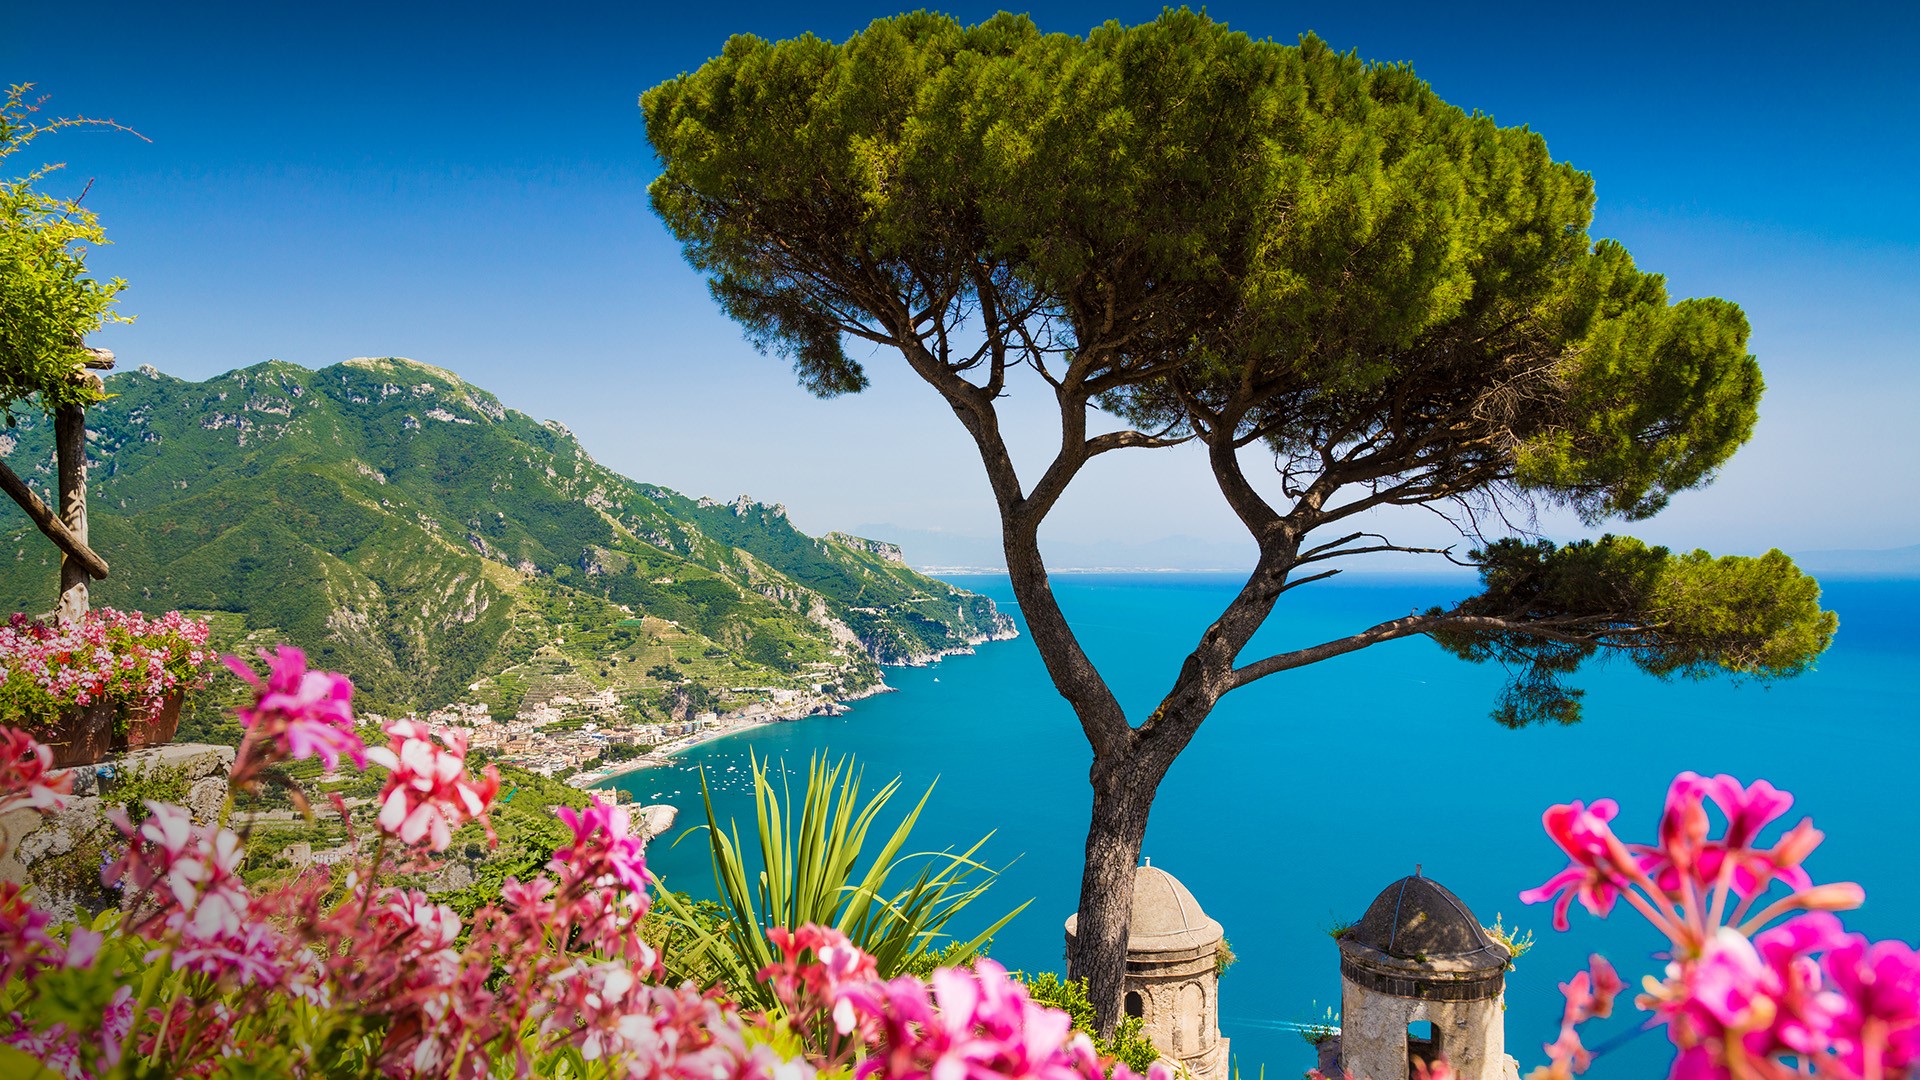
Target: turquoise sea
[{"x": 1307, "y": 793}]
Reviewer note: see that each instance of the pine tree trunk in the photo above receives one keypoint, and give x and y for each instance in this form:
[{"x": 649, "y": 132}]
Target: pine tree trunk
[{"x": 1121, "y": 800}]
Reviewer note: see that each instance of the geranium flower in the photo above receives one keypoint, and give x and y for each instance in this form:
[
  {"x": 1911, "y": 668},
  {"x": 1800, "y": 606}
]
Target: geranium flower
[
  {"x": 973, "y": 1024},
  {"x": 27, "y": 779},
  {"x": 55, "y": 1048},
  {"x": 1805, "y": 1010},
  {"x": 297, "y": 713},
  {"x": 1582, "y": 832},
  {"x": 25, "y": 945},
  {"x": 641, "y": 1030},
  {"x": 1878, "y": 986},
  {"x": 428, "y": 792},
  {"x": 603, "y": 851},
  {"x": 107, "y": 655},
  {"x": 1589, "y": 995},
  {"x": 1743, "y": 999},
  {"x": 196, "y": 867},
  {"x": 1748, "y": 809},
  {"x": 237, "y": 953},
  {"x": 836, "y": 965}
]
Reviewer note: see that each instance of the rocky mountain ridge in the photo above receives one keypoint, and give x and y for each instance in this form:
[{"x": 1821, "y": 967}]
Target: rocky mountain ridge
[{"x": 408, "y": 528}]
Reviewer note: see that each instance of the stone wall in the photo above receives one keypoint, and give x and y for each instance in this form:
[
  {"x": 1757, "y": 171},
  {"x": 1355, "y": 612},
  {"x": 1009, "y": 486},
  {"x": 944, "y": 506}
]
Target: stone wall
[
  {"x": 1373, "y": 1034},
  {"x": 59, "y": 857}
]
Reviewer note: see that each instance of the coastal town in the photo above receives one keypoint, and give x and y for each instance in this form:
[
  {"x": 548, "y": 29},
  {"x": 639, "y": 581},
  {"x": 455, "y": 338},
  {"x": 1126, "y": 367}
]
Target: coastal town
[{"x": 588, "y": 740}]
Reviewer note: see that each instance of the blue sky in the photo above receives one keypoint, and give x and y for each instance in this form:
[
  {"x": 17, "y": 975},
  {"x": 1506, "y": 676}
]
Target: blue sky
[{"x": 466, "y": 186}]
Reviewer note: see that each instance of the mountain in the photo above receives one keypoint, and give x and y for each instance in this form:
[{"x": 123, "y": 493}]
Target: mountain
[{"x": 408, "y": 529}]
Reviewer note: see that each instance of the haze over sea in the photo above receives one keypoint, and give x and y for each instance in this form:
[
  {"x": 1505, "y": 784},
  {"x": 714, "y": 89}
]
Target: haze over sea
[{"x": 1305, "y": 794}]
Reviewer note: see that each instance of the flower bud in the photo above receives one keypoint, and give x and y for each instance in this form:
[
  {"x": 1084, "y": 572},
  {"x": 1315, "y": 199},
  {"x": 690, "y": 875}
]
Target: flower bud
[
  {"x": 1838, "y": 896},
  {"x": 1793, "y": 848}
]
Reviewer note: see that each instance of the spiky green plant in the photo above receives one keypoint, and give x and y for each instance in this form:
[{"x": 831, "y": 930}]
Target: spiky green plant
[{"x": 812, "y": 871}]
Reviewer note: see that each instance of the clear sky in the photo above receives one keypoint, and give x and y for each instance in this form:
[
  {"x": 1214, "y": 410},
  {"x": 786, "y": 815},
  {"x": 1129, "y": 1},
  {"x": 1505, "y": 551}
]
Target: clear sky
[{"x": 465, "y": 185}]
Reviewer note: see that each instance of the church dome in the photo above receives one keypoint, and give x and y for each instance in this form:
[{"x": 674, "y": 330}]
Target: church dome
[{"x": 1166, "y": 917}]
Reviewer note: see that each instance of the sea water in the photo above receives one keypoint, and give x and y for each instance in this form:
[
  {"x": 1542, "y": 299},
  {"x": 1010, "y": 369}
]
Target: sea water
[{"x": 1305, "y": 794}]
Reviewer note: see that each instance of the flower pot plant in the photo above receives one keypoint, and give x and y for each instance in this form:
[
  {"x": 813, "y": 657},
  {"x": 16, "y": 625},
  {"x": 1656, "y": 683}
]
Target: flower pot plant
[{"x": 111, "y": 681}]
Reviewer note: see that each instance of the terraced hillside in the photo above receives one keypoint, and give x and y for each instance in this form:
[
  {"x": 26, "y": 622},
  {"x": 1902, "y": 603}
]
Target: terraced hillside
[{"x": 408, "y": 529}]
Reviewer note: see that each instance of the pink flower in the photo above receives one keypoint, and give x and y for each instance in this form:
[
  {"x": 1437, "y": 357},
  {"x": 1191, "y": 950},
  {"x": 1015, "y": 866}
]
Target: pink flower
[
  {"x": 1582, "y": 833},
  {"x": 1742, "y": 1004},
  {"x": 55, "y": 1048},
  {"x": 25, "y": 946},
  {"x": 1590, "y": 995},
  {"x": 428, "y": 792},
  {"x": 1878, "y": 986},
  {"x": 1741, "y": 1000},
  {"x": 27, "y": 778},
  {"x": 83, "y": 947},
  {"x": 1724, "y": 995},
  {"x": 603, "y": 851},
  {"x": 242, "y": 953},
  {"x": 640, "y": 1030},
  {"x": 804, "y": 985},
  {"x": 1685, "y": 851},
  {"x": 196, "y": 866},
  {"x": 299, "y": 713},
  {"x": 602, "y": 889},
  {"x": 978, "y": 1024},
  {"x": 112, "y": 655},
  {"x": 115, "y": 1024},
  {"x": 1804, "y": 1009},
  {"x": 1748, "y": 809},
  {"x": 529, "y": 905}
]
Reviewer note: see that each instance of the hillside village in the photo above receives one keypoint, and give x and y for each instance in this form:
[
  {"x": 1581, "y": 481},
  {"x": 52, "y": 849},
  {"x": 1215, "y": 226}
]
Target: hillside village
[{"x": 589, "y": 739}]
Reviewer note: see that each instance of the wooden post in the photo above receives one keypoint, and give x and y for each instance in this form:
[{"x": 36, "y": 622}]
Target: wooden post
[{"x": 70, "y": 459}]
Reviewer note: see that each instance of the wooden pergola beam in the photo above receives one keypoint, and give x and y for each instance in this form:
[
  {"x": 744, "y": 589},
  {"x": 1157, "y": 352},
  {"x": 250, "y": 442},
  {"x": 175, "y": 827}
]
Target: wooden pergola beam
[{"x": 50, "y": 523}]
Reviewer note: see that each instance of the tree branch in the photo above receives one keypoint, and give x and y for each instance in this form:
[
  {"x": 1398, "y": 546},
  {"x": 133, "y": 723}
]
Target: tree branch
[
  {"x": 1336, "y": 549},
  {"x": 1408, "y": 626},
  {"x": 50, "y": 523}
]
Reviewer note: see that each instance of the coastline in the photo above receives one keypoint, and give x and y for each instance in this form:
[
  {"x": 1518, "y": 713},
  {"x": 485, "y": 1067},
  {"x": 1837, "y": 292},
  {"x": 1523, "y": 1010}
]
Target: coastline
[{"x": 664, "y": 753}]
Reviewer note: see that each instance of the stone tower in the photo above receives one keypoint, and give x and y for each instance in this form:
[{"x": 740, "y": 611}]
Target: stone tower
[
  {"x": 1172, "y": 983},
  {"x": 1420, "y": 979}
]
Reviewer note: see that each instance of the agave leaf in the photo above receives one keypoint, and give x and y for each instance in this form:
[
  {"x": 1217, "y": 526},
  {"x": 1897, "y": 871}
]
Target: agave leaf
[{"x": 810, "y": 850}]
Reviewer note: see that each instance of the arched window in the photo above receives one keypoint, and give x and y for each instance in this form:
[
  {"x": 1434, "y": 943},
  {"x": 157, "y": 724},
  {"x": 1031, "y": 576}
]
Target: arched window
[
  {"x": 1423, "y": 1043},
  {"x": 1190, "y": 1033},
  {"x": 1135, "y": 1006}
]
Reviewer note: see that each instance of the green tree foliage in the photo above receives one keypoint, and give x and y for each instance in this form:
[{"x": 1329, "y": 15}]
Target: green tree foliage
[
  {"x": 1250, "y": 246},
  {"x": 48, "y": 302},
  {"x": 1690, "y": 615}
]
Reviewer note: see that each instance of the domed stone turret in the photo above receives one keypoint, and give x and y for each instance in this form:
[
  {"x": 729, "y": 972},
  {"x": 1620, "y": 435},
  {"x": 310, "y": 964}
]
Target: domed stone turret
[
  {"x": 1420, "y": 979},
  {"x": 1172, "y": 982}
]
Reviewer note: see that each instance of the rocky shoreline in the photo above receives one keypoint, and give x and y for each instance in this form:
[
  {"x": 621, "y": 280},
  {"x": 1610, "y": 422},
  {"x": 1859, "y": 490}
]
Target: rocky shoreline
[{"x": 667, "y": 751}]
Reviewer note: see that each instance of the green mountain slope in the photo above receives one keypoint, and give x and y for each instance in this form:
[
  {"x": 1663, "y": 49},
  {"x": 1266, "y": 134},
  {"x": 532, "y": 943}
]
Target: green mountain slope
[{"x": 408, "y": 529}]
